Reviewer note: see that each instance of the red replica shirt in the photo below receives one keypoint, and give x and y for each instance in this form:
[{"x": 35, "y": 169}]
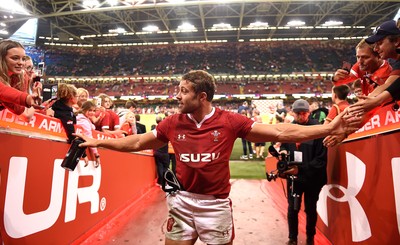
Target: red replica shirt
[
  {"x": 333, "y": 112},
  {"x": 203, "y": 149},
  {"x": 367, "y": 80}
]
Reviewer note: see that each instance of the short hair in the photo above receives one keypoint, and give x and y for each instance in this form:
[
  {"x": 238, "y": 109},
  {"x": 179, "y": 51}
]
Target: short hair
[
  {"x": 137, "y": 117},
  {"x": 364, "y": 44},
  {"x": 312, "y": 100},
  {"x": 130, "y": 104},
  {"x": 202, "y": 82},
  {"x": 341, "y": 91},
  {"x": 158, "y": 119}
]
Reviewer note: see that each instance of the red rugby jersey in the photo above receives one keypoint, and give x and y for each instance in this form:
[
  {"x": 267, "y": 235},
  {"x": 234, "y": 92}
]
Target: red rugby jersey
[
  {"x": 379, "y": 77},
  {"x": 203, "y": 149}
]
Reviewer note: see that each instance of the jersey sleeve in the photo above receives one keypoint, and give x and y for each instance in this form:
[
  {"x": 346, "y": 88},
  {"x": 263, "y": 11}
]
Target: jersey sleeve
[
  {"x": 162, "y": 129},
  {"x": 240, "y": 124},
  {"x": 332, "y": 114}
]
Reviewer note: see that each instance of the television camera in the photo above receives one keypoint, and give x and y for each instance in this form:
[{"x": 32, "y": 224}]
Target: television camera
[{"x": 282, "y": 165}]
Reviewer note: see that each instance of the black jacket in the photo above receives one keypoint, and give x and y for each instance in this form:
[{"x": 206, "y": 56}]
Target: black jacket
[
  {"x": 312, "y": 170},
  {"x": 141, "y": 128},
  {"x": 66, "y": 116}
]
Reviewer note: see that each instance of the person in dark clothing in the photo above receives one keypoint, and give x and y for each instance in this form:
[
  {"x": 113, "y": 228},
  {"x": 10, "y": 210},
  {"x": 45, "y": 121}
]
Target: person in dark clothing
[
  {"x": 316, "y": 111},
  {"x": 141, "y": 128},
  {"x": 66, "y": 98},
  {"x": 309, "y": 176},
  {"x": 246, "y": 145},
  {"x": 161, "y": 156}
]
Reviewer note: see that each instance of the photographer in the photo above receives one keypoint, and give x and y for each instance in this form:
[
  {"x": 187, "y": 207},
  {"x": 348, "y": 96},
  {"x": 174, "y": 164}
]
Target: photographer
[{"x": 308, "y": 177}]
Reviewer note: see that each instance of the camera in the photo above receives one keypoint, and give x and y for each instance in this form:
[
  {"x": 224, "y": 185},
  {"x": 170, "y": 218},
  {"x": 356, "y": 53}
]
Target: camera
[{"x": 282, "y": 165}]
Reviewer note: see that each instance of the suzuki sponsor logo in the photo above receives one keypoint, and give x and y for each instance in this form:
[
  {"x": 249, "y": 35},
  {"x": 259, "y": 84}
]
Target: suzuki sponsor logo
[
  {"x": 198, "y": 157},
  {"x": 18, "y": 224}
]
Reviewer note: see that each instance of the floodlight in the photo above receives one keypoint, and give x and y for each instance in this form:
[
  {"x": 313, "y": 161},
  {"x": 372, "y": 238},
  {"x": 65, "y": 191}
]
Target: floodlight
[
  {"x": 186, "y": 27},
  {"x": 332, "y": 23},
  {"x": 150, "y": 28},
  {"x": 296, "y": 23}
]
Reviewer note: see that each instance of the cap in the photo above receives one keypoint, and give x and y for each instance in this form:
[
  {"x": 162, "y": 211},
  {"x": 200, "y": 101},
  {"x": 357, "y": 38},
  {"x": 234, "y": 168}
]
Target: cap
[
  {"x": 300, "y": 105},
  {"x": 386, "y": 29}
]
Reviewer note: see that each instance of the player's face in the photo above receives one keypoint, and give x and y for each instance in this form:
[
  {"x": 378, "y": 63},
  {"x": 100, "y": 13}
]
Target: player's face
[
  {"x": 385, "y": 48},
  {"x": 367, "y": 60},
  {"x": 188, "y": 100},
  {"x": 15, "y": 60}
]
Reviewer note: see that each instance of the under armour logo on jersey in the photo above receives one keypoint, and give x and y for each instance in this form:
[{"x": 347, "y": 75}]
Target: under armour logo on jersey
[
  {"x": 215, "y": 134},
  {"x": 181, "y": 136}
]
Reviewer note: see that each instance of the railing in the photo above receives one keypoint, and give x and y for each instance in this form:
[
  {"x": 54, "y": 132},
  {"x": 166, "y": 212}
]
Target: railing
[{"x": 41, "y": 203}]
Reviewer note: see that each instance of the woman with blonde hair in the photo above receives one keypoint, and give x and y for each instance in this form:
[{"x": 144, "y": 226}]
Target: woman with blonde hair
[
  {"x": 83, "y": 96},
  {"x": 129, "y": 126},
  {"x": 66, "y": 98}
]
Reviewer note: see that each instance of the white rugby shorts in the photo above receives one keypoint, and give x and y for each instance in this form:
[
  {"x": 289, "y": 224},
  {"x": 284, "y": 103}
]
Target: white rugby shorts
[{"x": 193, "y": 216}]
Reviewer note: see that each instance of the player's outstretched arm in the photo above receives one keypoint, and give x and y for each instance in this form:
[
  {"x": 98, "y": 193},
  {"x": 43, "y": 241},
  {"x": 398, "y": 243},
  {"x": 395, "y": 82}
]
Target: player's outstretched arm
[
  {"x": 284, "y": 132},
  {"x": 131, "y": 143}
]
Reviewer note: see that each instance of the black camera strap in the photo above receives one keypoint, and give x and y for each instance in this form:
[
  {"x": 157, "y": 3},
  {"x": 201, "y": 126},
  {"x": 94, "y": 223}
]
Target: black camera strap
[{"x": 171, "y": 183}]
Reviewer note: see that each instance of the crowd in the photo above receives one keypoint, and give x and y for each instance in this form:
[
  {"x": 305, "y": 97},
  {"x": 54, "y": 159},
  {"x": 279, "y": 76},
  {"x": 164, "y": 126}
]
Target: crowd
[{"x": 226, "y": 58}]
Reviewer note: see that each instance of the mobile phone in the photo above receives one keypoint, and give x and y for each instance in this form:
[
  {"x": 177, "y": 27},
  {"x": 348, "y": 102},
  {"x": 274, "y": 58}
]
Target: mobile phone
[
  {"x": 40, "y": 69},
  {"x": 346, "y": 66},
  {"x": 98, "y": 102}
]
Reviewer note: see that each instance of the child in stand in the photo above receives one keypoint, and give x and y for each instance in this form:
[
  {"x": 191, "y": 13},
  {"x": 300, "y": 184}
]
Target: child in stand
[
  {"x": 129, "y": 126},
  {"x": 85, "y": 113}
]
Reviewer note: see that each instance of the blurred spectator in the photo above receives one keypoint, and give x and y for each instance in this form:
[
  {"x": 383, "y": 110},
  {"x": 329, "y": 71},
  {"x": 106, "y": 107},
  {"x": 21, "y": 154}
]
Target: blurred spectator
[
  {"x": 370, "y": 68},
  {"x": 33, "y": 84},
  {"x": 246, "y": 145},
  {"x": 11, "y": 75},
  {"x": 130, "y": 106},
  {"x": 161, "y": 157},
  {"x": 85, "y": 113},
  {"x": 316, "y": 111},
  {"x": 110, "y": 122},
  {"x": 129, "y": 125},
  {"x": 339, "y": 99},
  {"x": 83, "y": 96},
  {"x": 260, "y": 146},
  {"x": 66, "y": 97},
  {"x": 141, "y": 128}
]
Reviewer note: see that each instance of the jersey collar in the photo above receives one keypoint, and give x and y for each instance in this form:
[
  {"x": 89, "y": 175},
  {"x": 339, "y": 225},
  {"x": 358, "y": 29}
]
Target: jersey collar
[{"x": 198, "y": 125}]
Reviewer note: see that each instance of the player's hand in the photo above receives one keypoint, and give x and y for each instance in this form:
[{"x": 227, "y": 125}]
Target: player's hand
[
  {"x": 344, "y": 124},
  {"x": 89, "y": 142}
]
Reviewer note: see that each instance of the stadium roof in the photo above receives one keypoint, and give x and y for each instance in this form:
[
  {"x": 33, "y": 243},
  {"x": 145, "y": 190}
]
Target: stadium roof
[{"x": 71, "y": 21}]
